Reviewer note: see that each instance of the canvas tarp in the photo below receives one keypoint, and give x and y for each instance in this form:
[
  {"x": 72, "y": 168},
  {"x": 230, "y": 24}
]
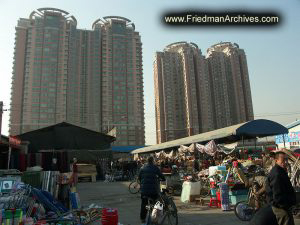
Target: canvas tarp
[{"x": 247, "y": 130}]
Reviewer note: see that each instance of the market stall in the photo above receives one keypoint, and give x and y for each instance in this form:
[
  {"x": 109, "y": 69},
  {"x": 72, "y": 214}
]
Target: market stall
[
  {"x": 21, "y": 203},
  {"x": 196, "y": 155}
]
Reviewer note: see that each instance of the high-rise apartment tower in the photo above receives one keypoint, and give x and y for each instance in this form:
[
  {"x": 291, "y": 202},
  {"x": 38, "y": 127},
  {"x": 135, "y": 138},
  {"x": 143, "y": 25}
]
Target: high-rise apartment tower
[
  {"x": 196, "y": 94},
  {"x": 91, "y": 78}
]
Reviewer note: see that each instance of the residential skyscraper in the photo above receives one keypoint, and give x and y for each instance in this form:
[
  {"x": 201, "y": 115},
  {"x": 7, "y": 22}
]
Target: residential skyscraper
[
  {"x": 122, "y": 79},
  {"x": 196, "y": 94},
  {"x": 231, "y": 94},
  {"x": 181, "y": 92},
  {"x": 91, "y": 78}
]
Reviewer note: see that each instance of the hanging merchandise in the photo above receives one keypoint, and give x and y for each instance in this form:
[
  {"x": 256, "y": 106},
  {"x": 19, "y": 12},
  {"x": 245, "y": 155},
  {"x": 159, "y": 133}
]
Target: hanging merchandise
[
  {"x": 228, "y": 148},
  {"x": 160, "y": 155},
  {"x": 170, "y": 155},
  {"x": 50, "y": 182},
  {"x": 210, "y": 148},
  {"x": 184, "y": 149}
]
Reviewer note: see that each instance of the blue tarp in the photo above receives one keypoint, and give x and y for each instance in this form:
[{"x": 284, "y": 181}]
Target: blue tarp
[{"x": 125, "y": 148}]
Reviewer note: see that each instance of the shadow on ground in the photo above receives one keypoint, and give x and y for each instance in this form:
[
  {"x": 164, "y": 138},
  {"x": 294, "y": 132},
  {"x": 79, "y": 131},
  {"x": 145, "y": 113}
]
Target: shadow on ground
[{"x": 116, "y": 195}]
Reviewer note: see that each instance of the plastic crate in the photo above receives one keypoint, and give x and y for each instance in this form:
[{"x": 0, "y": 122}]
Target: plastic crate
[
  {"x": 239, "y": 192},
  {"x": 237, "y": 198},
  {"x": 7, "y": 216},
  {"x": 32, "y": 178}
]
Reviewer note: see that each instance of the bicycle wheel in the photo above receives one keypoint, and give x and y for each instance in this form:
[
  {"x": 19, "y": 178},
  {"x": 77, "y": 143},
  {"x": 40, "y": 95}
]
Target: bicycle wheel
[
  {"x": 171, "y": 216},
  {"x": 243, "y": 211},
  {"x": 134, "y": 187}
]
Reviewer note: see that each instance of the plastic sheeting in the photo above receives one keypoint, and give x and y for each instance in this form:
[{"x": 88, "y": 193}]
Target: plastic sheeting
[
  {"x": 210, "y": 148},
  {"x": 184, "y": 149},
  {"x": 163, "y": 155},
  {"x": 227, "y": 149}
]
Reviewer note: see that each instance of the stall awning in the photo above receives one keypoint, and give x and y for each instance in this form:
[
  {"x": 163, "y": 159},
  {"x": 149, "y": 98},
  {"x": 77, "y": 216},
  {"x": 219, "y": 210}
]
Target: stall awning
[
  {"x": 247, "y": 130},
  {"x": 125, "y": 149}
]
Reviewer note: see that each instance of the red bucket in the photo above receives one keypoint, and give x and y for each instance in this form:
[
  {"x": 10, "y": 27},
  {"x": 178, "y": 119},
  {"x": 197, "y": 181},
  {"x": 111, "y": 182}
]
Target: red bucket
[{"x": 109, "y": 216}]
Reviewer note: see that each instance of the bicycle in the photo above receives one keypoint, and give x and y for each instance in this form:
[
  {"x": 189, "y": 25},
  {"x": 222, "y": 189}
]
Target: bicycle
[
  {"x": 169, "y": 210},
  {"x": 245, "y": 210},
  {"x": 134, "y": 186}
]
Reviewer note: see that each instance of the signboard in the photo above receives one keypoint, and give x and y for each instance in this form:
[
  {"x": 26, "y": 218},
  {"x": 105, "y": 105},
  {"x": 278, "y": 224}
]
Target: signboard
[{"x": 290, "y": 137}]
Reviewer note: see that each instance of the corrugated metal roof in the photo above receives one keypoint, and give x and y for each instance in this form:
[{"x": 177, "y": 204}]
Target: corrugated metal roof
[
  {"x": 293, "y": 124},
  {"x": 247, "y": 130}
]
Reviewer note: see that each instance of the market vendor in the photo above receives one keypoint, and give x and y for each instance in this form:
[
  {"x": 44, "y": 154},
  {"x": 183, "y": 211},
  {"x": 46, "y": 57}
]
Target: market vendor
[
  {"x": 54, "y": 166},
  {"x": 65, "y": 181},
  {"x": 74, "y": 172},
  {"x": 280, "y": 192},
  {"x": 166, "y": 167}
]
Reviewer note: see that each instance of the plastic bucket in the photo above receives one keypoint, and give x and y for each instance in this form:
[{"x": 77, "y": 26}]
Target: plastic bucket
[{"x": 109, "y": 216}]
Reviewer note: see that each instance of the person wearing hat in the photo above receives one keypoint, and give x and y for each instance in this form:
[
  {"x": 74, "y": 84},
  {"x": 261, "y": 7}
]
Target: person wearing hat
[{"x": 279, "y": 190}]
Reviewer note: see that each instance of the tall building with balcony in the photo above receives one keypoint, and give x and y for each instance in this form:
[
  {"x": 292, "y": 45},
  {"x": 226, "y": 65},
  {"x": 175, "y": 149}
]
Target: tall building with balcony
[
  {"x": 196, "y": 94},
  {"x": 231, "y": 93},
  {"x": 122, "y": 79},
  {"x": 181, "y": 92},
  {"x": 91, "y": 78}
]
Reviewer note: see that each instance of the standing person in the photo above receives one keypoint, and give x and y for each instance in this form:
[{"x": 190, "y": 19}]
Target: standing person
[
  {"x": 54, "y": 166},
  {"x": 149, "y": 176},
  {"x": 280, "y": 192},
  {"x": 75, "y": 171}
]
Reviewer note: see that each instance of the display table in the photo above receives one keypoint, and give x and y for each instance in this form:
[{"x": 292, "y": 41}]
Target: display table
[{"x": 189, "y": 189}]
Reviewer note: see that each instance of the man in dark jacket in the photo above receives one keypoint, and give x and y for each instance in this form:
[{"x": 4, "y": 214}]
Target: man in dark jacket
[
  {"x": 149, "y": 177},
  {"x": 280, "y": 193}
]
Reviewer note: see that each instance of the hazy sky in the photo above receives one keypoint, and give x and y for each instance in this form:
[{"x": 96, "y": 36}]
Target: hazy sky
[{"x": 272, "y": 52}]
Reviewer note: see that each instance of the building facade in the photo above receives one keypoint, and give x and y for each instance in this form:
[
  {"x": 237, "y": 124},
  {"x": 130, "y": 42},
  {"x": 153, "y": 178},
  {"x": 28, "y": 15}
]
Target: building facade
[
  {"x": 90, "y": 78},
  {"x": 228, "y": 72},
  {"x": 292, "y": 139},
  {"x": 182, "y": 92},
  {"x": 196, "y": 94}
]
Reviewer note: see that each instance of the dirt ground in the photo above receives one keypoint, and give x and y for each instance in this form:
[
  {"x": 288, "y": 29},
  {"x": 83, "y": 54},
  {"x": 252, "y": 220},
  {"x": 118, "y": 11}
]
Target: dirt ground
[{"x": 116, "y": 195}]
